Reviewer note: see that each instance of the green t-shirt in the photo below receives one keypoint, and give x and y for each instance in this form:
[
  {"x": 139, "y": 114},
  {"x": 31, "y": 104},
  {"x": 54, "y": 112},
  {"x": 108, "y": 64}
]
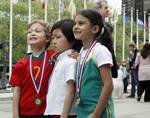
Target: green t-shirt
[{"x": 91, "y": 87}]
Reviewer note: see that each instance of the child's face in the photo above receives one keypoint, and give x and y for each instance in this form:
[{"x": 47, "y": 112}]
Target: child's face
[
  {"x": 36, "y": 36},
  {"x": 83, "y": 29},
  {"x": 59, "y": 41}
]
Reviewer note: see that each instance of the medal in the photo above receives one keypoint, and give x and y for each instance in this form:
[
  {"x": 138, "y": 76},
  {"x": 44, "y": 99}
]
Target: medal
[
  {"x": 38, "y": 101},
  {"x": 78, "y": 99},
  {"x": 80, "y": 70}
]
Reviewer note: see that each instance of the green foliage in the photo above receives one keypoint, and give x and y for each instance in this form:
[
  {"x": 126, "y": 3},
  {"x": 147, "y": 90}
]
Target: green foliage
[
  {"x": 119, "y": 41},
  {"x": 20, "y": 21}
]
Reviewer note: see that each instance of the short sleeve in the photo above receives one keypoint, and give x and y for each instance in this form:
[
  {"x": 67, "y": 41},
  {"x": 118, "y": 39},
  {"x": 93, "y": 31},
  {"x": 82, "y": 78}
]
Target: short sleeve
[
  {"x": 15, "y": 79},
  {"x": 70, "y": 69},
  {"x": 102, "y": 56}
]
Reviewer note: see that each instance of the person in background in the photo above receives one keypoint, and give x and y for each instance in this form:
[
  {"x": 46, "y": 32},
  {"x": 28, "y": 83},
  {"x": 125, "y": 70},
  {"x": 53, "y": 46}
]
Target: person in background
[
  {"x": 144, "y": 73},
  {"x": 31, "y": 74},
  {"x": 118, "y": 84},
  {"x": 125, "y": 76},
  {"x": 93, "y": 70},
  {"x": 133, "y": 69},
  {"x": 101, "y": 7},
  {"x": 61, "y": 91}
]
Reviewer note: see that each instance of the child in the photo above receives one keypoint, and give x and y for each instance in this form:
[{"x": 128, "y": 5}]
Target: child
[
  {"x": 118, "y": 84},
  {"x": 61, "y": 90},
  {"x": 31, "y": 74},
  {"x": 93, "y": 71}
]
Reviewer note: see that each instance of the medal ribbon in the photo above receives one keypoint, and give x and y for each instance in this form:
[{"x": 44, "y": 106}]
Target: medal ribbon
[
  {"x": 41, "y": 78},
  {"x": 81, "y": 70}
]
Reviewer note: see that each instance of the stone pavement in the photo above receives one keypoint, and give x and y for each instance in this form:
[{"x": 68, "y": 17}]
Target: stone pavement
[
  {"x": 124, "y": 107},
  {"x": 131, "y": 108},
  {"x": 6, "y": 94}
]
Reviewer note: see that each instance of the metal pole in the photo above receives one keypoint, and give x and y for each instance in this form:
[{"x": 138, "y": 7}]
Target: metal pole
[
  {"x": 123, "y": 43},
  {"x": 29, "y": 21},
  {"x": 45, "y": 16},
  {"x": 59, "y": 12},
  {"x": 131, "y": 25},
  {"x": 149, "y": 27},
  {"x": 10, "y": 39},
  {"x": 144, "y": 34},
  {"x": 85, "y": 6},
  {"x": 115, "y": 32},
  {"x": 137, "y": 29}
]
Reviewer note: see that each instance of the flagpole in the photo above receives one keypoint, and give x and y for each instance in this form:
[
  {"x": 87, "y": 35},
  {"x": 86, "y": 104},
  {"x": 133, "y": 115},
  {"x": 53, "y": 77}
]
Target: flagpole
[
  {"x": 131, "y": 25},
  {"x": 59, "y": 12},
  {"x": 29, "y": 21},
  {"x": 137, "y": 29},
  {"x": 149, "y": 27},
  {"x": 51, "y": 4},
  {"x": 123, "y": 43},
  {"x": 72, "y": 12},
  {"x": 144, "y": 34},
  {"x": 10, "y": 39},
  {"x": 115, "y": 32},
  {"x": 85, "y": 5},
  {"x": 45, "y": 16}
]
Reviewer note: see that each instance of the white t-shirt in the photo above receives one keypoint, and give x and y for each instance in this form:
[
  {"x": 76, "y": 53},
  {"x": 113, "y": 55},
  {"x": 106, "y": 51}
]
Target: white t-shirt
[
  {"x": 64, "y": 70},
  {"x": 99, "y": 53}
]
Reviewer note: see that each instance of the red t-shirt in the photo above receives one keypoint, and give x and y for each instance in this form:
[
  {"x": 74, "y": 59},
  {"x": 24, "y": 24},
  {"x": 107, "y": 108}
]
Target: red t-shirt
[{"x": 21, "y": 77}]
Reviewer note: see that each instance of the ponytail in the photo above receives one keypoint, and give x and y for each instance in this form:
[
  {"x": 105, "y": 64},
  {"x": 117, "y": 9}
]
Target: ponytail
[{"x": 106, "y": 40}]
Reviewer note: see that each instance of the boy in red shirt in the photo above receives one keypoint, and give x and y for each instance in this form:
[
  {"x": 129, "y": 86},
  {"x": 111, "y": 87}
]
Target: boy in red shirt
[{"x": 31, "y": 74}]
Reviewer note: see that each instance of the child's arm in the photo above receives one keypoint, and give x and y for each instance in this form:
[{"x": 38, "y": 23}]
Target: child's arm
[
  {"x": 68, "y": 99},
  {"x": 16, "y": 97},
  {"x": 106, "y": 91}
]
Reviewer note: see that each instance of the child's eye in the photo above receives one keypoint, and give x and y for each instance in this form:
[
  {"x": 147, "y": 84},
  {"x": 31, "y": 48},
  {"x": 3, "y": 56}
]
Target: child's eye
[
  {"x": 29, "y": 31},
  {"x": 80, "y": 23},
  {"x": 38, "y": 30},
  {"x": 58, "y": 37}
]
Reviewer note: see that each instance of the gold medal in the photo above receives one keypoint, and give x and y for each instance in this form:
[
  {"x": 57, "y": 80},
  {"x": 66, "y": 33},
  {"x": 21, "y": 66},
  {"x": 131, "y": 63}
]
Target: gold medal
[
  {"x": 78, "y": 98},
  {"x": 38, "y": 101},
  {"x": 78, "y": 101}
]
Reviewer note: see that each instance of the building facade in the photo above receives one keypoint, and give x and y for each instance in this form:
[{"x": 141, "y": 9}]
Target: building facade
[{"x": 140, "y": 5}]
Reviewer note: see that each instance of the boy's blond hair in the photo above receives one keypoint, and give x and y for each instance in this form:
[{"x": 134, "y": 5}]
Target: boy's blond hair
[{"x": 47, "y": 29}]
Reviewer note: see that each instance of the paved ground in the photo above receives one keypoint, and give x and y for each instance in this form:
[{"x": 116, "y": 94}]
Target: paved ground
[
  {"x": 130, "y": 108},
  {"x": 124, "y": 107}
]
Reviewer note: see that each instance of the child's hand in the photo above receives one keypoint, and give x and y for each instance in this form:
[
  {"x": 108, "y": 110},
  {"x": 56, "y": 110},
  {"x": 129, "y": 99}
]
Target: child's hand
[
  {"x": 74, "y": 54},
  {"x": 92, "y": 115},
  {"x": 63, "y": 116},
  {"x": 16, "y": 116}
]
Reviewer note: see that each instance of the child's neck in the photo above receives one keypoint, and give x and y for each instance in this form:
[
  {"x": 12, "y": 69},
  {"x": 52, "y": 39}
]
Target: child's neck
[
  {"x": 37, "y": 53},
  {"x": 87, "y": 44}
]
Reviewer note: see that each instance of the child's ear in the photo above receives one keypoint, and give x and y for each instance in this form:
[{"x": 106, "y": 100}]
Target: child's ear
[
  {"x": 48, "y": 39},
  {"x": 96, "y": 29}
]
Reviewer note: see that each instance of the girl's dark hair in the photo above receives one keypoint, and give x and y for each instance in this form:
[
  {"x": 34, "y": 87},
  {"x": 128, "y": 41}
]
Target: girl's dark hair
[
  {"x": 103, "y": 36},
  {"x": 66, "y": 27},
  {"x": 145, "y": 52}
]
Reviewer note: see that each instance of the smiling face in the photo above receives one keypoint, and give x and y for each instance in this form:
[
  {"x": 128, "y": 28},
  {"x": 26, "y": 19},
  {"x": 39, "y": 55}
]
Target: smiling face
[
  {"x": 60, "y": 42},
  {"x": 36, "y": 36},
  {"x": 83, "y": 29}
]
